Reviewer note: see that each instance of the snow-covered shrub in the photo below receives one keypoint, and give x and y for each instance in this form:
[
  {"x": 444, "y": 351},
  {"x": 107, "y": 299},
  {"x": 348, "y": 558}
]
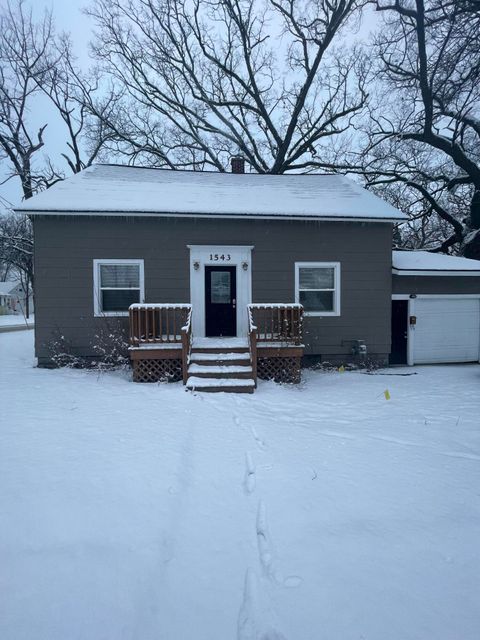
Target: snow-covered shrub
[
  {"x": 109, "y": 349},
  {"x": 61, "y": 353},
  {"x": 111, "y": 345}
]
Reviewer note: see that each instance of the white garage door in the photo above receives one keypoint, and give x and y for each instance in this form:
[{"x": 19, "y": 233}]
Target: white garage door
[{"x": 447, "y": 330}]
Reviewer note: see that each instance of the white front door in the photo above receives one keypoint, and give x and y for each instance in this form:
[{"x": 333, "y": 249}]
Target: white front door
[{"x": 237, "y": 257}]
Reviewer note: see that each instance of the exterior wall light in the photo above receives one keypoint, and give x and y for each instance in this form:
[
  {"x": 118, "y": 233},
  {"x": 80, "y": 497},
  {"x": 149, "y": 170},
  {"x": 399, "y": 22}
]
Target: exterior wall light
[
  {"x": 196, "y": 265},
  {"x": 245, "y": 266}
]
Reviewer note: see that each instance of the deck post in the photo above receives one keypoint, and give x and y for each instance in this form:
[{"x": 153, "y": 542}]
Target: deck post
[
  {"x": 186, "y": 334},
  {"x": 252, "y": 339},
  {"x": 253, "y": 353}
]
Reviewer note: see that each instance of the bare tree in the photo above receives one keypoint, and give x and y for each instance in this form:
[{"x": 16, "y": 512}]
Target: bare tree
[
  {"x": 83, "y": 103},
  {"x": 23, "y": 52},
  {"x": 34, "y": 61},
  {"x": 205, "y": 79},
  {"x": 424, "y": 135}
]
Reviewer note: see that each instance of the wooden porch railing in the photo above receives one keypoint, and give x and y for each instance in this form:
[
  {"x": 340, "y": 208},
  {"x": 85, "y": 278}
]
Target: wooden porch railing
[
  {"x": 157, "y": 323},
  {"x": 276, "y": 323},
  {"x": 163, "y": 325}
]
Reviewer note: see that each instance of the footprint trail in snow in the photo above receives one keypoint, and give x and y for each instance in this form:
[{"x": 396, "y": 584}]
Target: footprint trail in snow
[{"x": 249, "y": 481}]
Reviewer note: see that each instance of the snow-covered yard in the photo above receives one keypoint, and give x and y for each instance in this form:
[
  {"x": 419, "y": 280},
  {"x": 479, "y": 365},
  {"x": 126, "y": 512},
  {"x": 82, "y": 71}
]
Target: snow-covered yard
[
  {"x": 317, "y": 512},
  {"x": 12, "y": 320}
]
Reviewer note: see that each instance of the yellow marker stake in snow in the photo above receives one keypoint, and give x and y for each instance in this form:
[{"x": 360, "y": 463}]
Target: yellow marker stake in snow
[
  {"x": 386, "y": 393},
  {"x": 341, "y": 369}
]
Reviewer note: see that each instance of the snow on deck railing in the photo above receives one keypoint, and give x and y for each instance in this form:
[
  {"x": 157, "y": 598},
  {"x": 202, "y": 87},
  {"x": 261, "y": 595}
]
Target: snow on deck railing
[
  {"x": 275, "y": 305},
  {"x": 160, "y": 305},
  {"x": 187, "y": 326},
  {"x": 251, "y": 324}
]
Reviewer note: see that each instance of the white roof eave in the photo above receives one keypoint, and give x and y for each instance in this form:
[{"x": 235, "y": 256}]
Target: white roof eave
[
  {"x": 189, "y": 214},
  {"x": 435, "y": 272}
]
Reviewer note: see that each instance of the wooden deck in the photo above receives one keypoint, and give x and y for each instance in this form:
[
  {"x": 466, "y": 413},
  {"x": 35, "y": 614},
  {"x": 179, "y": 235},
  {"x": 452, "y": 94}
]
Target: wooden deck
[
  {"x": 162, "y": 347},
  {"x": 160, "y": 341},
  {"x": 275, "y": 339}
]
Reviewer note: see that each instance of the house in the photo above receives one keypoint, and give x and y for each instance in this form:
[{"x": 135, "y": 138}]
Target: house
[
  {"x": 215, "y": 275},
  {"x": 6, "y": 298},
  {"x": 13, "y": 298}
]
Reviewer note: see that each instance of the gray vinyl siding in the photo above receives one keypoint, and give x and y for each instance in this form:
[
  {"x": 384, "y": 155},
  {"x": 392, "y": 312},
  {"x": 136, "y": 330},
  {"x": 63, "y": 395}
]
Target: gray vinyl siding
[
  {"x": 441, "y": 285},
  {"x": 65, "y": 248}
]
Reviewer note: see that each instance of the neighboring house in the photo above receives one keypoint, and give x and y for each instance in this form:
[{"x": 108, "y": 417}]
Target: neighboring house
[
  {"x": 13, "y": 298},
  {"x": 112, "y": 236}
]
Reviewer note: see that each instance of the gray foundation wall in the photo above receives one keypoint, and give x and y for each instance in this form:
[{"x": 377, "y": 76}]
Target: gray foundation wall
[{"x": 65, "y": 248}]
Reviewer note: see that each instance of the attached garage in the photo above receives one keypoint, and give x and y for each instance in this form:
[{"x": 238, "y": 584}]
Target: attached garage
[
  {"x": 446, "y": 330},
  {"x": 435, "y": 308}
]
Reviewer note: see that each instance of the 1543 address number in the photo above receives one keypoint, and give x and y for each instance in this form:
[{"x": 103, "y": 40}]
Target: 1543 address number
[{"x": 220, "y": 257}]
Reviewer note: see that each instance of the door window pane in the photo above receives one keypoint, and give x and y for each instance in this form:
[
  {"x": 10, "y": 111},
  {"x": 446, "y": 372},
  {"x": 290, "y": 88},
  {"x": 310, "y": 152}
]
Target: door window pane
[{"x": 220, "y": 287}]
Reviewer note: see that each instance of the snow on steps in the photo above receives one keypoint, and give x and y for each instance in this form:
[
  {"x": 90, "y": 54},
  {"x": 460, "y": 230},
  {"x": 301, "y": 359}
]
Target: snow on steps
[
  {"x": 235, "y": 385},
  {"x": 220, "y": 364},
  {"x": 219, "y": 357},
  {"x": 227, "y": 344},
  {"x": 220, "y": 371}
]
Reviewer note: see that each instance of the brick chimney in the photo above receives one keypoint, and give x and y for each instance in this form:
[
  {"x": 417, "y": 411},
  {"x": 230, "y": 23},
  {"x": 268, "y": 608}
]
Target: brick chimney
[{"x": 238, "y": 164}]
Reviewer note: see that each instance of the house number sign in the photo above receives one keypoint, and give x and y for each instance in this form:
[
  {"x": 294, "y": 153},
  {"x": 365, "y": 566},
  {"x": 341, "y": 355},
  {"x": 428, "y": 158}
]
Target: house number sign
[{"x": 220, "y": 257}]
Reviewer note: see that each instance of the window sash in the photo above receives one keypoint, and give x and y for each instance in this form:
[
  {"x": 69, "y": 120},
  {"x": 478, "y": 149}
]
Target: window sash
[
  {"x": 116, "y": 303},
  {"x": 111, "y": 275},
  {"x": 307, "y": 274}
]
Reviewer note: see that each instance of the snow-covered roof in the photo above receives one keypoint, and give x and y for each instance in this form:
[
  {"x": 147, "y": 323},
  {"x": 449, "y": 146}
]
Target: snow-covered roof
[
  {"x": 122, "y": 190},
  {"x": 425, "y": 263},
  {"x": 7, "y": 287}
]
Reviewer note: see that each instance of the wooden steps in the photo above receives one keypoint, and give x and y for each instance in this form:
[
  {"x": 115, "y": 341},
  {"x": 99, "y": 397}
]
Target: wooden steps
[
  {"x": 214, "y": 369},
  {"x": 220, "y": 371},
  {"x": 213, "y": 385},
  {"x": 220, "y": 359}
]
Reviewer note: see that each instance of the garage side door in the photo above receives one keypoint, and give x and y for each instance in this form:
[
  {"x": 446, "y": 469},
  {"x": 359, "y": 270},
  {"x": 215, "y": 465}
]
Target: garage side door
[{"x": 447, "y": 330}]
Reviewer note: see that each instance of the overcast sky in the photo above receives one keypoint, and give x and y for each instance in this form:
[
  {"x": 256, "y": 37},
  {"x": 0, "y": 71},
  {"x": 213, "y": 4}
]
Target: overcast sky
[{"x": 69, "y": 17}]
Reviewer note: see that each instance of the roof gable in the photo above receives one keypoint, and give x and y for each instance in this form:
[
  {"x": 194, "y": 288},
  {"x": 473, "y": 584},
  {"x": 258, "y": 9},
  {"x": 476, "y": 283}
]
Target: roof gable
[{"x": 7, "y": 287}]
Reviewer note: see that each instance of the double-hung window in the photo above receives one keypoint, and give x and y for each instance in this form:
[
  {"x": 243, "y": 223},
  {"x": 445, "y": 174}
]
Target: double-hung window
[
  {"x": 117, "y": 285},
  {"x": 317, "y": 287}
]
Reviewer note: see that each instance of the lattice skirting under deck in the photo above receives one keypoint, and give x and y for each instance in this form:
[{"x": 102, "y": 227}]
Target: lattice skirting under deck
[
  {"x": 279, "y": 369},
  {"x": 157, "y": 370}
]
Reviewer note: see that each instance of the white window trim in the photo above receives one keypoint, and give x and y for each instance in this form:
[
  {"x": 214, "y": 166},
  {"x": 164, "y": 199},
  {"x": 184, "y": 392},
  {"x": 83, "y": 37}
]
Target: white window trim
[
  {"x": 98, "y": 313},
  {"x": 336, "y": 296}
]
